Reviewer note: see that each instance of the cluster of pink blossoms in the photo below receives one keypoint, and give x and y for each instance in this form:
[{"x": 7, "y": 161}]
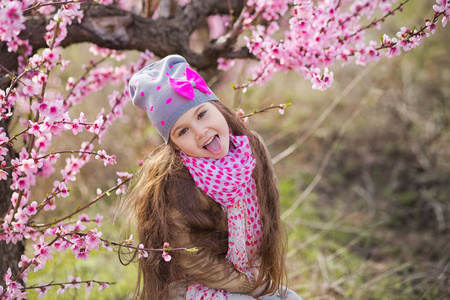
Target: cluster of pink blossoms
[
  {"x": 44, "y": 114},
  {"x": 323, "y": 32}
]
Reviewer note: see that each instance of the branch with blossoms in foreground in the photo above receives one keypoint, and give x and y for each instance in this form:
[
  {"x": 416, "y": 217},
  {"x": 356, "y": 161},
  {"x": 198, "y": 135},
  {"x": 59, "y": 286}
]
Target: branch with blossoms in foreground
[
  {"x": 40, "y": 4},
  {"x": 323, "y": 32},
  {"x": 81, "y": 244},
  {"x": 119, "y": 188},
  {"x": 72, "y": 283}
]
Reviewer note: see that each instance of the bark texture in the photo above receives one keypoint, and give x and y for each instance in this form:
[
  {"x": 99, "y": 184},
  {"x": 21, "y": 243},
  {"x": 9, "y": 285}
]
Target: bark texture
[{"x": 9, "y": 253}]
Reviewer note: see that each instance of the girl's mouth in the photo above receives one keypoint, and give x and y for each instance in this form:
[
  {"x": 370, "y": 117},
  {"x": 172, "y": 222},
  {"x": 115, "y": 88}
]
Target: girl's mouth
[
  {"x": 209, "y": 141},
  {"x": 214, "y": 145}
]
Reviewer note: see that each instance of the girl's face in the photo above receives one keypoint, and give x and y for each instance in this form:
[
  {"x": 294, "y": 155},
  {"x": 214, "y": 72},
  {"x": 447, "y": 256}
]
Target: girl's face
[{"x": 202, "y": 131}]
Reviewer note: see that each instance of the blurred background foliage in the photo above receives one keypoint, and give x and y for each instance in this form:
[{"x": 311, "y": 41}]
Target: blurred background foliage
[{"x": 363, "y": 170}]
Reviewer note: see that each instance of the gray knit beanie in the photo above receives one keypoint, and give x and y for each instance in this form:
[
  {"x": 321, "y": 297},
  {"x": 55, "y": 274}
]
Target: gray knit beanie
[{"x": 166, "y": 89}]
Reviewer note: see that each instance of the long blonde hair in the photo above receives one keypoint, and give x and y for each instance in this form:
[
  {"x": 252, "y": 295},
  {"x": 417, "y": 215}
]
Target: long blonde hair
[{"x": 148, "y": 200}]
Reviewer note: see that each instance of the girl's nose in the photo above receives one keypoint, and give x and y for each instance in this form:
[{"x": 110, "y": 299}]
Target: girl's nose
[{"x": 200, "y": 132}]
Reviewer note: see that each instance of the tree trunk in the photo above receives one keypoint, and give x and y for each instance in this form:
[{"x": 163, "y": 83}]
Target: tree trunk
[{"x": 9, "y": 253}]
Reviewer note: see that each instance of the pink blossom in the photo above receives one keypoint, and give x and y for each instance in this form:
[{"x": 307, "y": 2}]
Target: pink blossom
[
  {"x": 166, "y": 256},
  {"x": 70, "y": 83},
  {"x": 16, "y": 44},
  {"x": 122, "y": 188},
  {"x": 24, "y": 260},
  {"x": 55, "y": 110},
  {"x": 107, "y": 159},
  {"x": 75, "y": 126},
  {"x": 52, "y": 230},
  {"x": 30, "y": 88},
  {"x": 21, "y": 216},
  {"x": 84, "y": 218},
  {"x": 62, "y": 188},
  {"x": 78, "y": 244},
  {"x": 93, "y": 239},
  {"x": 225, "y": 64},
  {"x": 107, "y": 246},
  {"x": 43, "y": 142},
  {"x": 142, "y": 253},
  {"x": 61, "y": 245},
  {"x": 50, "y": 55},
  {"x": 28, "y": 166},
  {"x": 31, "y": 209},
  {"x": 23, "y": 154},
  {"x": 42, "y": 291},
  {"x": 431, "y": 26},
  {"x": 43, "y": 250},
  {"x": 7, "y": 277},
  {"x": 3, "y": 137},
  {"x": 393, "y": 51},
  {"x": 124, "y": 175},
  {"x": 385, "y": 6},
  {"x": 103, "y": 286},
  {"x": 20, "y": 183},
  {"x": 12, "y": 20},
  {"x": 50, "y": 205},
  {"x": 41, "y": 77},
  {"x": 3, "y": 152},
  {"x": 98, "y": 220},
  {"x": 41, "y": 107},
  {"x": 82, "y": 255},
  {"x": 95, "y": 127},
  {"x": 35, "y": 129},
  {"x": 88, "y": 286},
  {"x": 322, "y": 82},
  {"x": 75, "y": 282},
  {"x": 62, "y": 289},
  {"x": 78, "y": 227},
  {"x": 3, "y": 175}
]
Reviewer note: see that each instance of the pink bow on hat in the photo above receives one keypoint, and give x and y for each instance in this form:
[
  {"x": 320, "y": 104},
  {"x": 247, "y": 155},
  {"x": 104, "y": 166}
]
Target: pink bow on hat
[{"x": 185, "y": 87}]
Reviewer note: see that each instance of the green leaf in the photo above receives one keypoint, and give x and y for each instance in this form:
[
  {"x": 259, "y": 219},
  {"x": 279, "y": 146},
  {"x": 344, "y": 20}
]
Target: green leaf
[{"x": 192, "y": 250}]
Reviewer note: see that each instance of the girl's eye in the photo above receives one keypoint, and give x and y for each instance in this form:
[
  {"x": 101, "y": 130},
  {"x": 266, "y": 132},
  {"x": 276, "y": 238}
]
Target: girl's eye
[
  {"x": 182, "y": 131},
  {"x": 200, "y": 115}
]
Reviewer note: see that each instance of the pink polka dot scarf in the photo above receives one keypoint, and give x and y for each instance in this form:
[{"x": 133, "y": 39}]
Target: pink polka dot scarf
[{"x": 229, "y": 181}]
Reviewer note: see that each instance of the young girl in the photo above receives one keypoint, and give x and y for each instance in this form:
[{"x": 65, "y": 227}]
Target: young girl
[{"x": 210, "y": 186}]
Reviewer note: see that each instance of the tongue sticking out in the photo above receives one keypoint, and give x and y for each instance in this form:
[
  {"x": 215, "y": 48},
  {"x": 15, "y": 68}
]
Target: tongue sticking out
[{"x": 215, "y": 147}]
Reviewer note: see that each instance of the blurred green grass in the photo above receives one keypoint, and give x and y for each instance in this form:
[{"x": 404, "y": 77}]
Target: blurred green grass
[{"x": 376, "y": 225}]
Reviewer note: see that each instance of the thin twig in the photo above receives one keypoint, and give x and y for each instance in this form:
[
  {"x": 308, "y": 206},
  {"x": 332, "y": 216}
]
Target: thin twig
[
  {"x": 266, "y": 109},
  {"x": 87, "y": 205},
  {"x": 40, "y": 4},
  {"x": 64, "y": 283}
]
